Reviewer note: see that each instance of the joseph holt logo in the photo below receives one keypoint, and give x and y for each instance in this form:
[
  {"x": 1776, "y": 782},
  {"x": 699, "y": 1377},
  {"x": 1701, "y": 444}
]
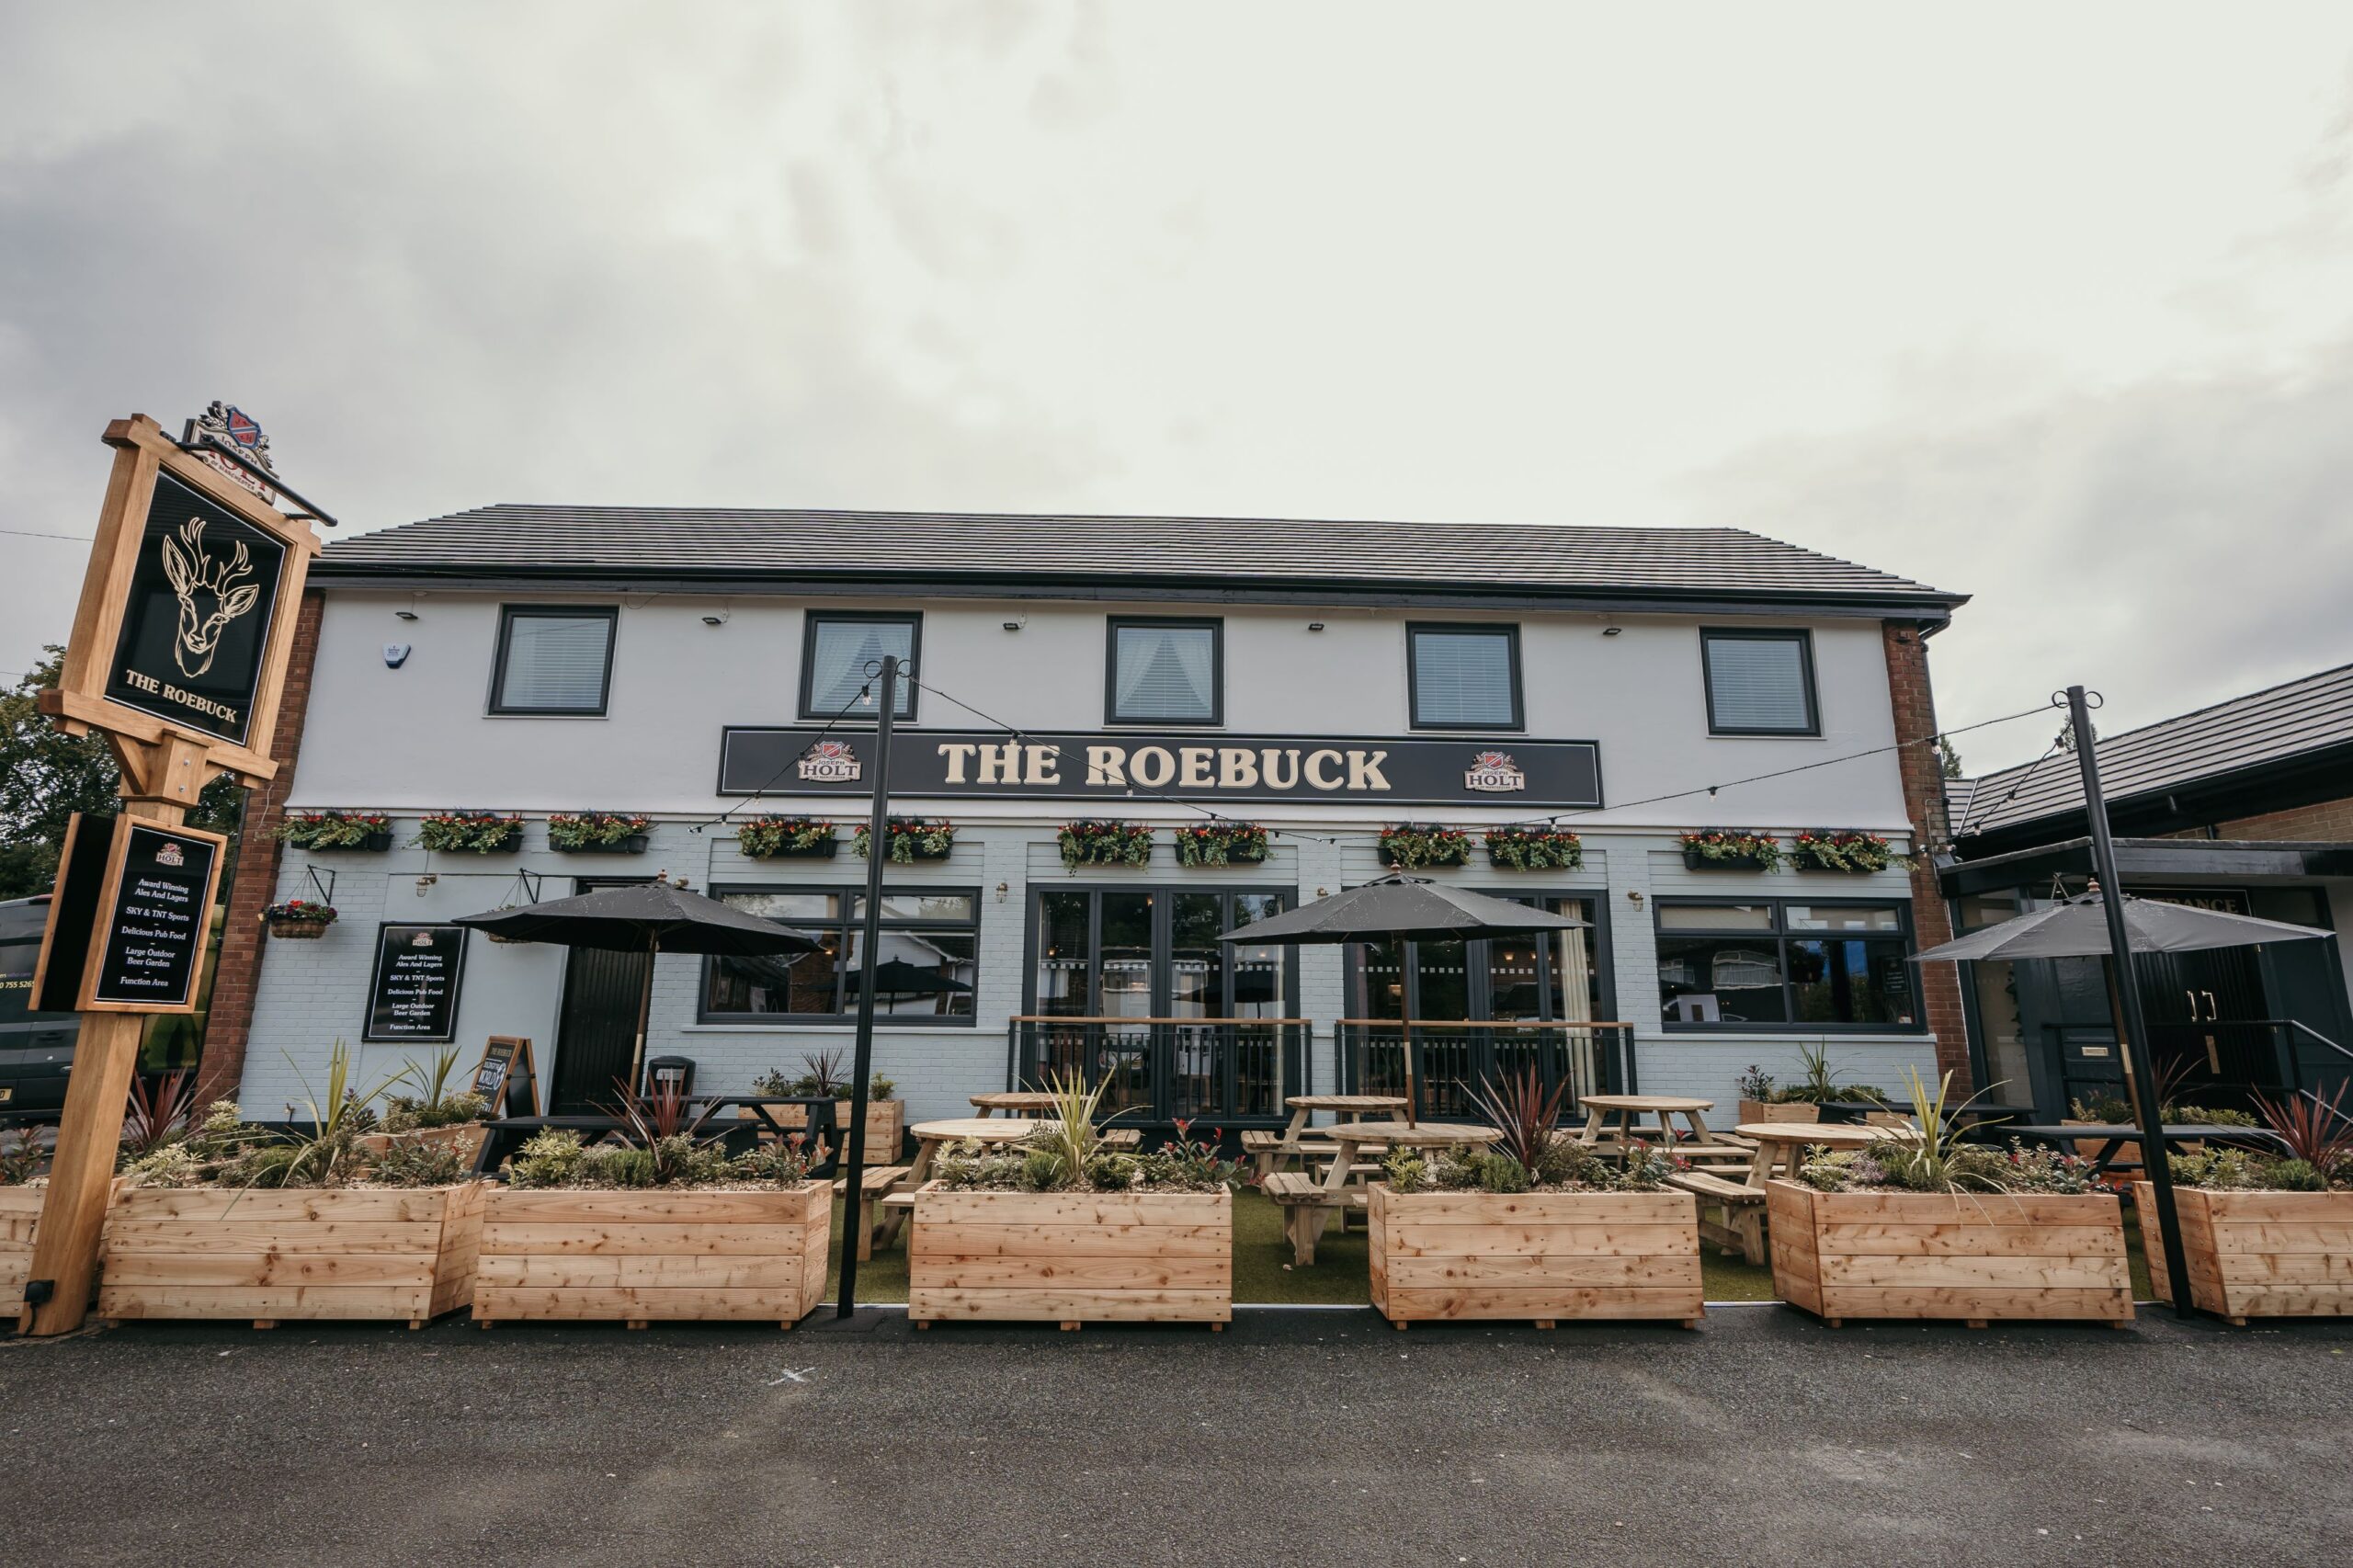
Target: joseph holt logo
[
  {"x": 1494, "y": 773},
  {"x": 169, "y": 853},
  {"x": 829, "y": 762}
]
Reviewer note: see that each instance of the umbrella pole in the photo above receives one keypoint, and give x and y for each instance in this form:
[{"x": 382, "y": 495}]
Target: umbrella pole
[
  {"x": 1412, "y": 1042},
  {"x": 878, "y": 846},
  {"x": 2131, "y": 1028},
  {"x": 644, "y": 1015}
]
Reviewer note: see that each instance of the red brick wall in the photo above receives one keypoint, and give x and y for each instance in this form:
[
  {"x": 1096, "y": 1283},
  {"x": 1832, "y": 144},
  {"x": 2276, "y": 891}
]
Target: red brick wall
[
  {"x": 239, "y": 972},
  {"x": 1924, "y": 804}
]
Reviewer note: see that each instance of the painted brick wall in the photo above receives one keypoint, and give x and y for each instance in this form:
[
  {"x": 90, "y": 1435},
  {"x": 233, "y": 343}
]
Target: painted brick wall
[
  {"x": 238, "y": 975},
  {"x": 1924, "y": 804}
]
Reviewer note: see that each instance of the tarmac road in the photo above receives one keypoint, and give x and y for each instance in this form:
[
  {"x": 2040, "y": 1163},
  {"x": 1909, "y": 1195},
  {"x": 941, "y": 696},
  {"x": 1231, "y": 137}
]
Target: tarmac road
[{"x": 1295, "y": 1438}]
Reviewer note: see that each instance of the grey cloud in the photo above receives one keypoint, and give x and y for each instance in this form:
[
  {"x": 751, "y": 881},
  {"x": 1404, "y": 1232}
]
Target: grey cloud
[{"x": 2170, "y": 544}]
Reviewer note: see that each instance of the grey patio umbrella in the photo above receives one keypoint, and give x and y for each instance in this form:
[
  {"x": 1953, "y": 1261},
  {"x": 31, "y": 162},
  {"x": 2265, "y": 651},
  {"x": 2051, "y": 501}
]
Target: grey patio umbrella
[
  {"x": 1399, "y": 909},
  {"x": 643, "y": 917},
  {"x": 2077, "y": 928}
]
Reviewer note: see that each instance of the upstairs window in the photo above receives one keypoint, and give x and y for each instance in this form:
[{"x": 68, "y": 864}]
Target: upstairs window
[
  {"x": 1759, "y": 683},
  {"x": 1167, "y": 672},
  {"x": 553, "y": 660},
  {"x": 841, "y": 648},
  {"x": 1464, "y": 678}
]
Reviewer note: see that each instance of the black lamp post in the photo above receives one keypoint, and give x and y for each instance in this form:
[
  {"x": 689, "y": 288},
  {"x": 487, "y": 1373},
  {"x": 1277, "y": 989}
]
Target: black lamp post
[{"x": 878, "y": 847}]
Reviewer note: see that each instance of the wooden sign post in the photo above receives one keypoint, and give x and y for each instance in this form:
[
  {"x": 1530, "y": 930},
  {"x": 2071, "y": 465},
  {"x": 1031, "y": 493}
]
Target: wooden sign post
[{"x": 177, "y": 655}]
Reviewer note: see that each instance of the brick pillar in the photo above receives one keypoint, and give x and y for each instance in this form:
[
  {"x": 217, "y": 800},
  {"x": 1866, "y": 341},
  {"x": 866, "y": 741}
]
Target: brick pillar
[
  {"x": 1924, "y": 805},
  {"x": 258, "y": 852}
]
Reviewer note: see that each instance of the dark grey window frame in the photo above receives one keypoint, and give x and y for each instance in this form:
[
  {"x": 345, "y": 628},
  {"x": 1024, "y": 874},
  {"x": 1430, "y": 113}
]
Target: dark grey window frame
[
  {"x": 1482, "y": 973},
  {"x": 1803, "y": 637},
  {"x": 810, "y": 621},
  {"x": 849, "y": 893},
  {"x": 506, "y": 618},
  {"x": 1215, "y": 625},
  {"x": 1510, "y": 631},
  {"x": 1780, "y": 937}
]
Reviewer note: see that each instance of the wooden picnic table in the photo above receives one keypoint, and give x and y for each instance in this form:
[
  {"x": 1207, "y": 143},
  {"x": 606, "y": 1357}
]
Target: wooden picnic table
[
  {"x": 1308, "y": 1205},
  {"x": 1014, "y": 1102},
  {"x": 1630, "y": 1110},
  {"x": 930, "y": 1138},
  {"x": 1784, "y": 1143}
]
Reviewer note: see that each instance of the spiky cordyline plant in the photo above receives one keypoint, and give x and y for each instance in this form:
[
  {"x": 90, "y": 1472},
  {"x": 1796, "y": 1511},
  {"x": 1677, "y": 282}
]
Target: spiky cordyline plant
[
  {"x": 323, "y": 1155},
  {"x": 660, "y": 1121},
  {"x": 2314, "y": 1128},
  {"x": 1068, "y": 1131},
  {"x": 1520, "y": 1109},
  {"x": 1926, "y": 1151},
  {"x": 162, "y": 1110}
]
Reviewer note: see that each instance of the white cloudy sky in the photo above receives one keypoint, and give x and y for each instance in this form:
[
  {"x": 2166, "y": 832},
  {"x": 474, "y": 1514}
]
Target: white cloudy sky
[{"x": 2050, "y": 303}]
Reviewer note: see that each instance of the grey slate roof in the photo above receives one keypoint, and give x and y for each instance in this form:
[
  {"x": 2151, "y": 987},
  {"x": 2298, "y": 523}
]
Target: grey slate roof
[
  {"x": 2268, "y": 726},
  {"x": 613, "y": 542}
]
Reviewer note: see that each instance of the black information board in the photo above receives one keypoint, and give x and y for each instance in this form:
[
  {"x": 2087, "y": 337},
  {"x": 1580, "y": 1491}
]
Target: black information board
[
  {"x": 153, "y": 925},
  {"x": 414, "y": 995},
  {"x": 82, "y": 869}
]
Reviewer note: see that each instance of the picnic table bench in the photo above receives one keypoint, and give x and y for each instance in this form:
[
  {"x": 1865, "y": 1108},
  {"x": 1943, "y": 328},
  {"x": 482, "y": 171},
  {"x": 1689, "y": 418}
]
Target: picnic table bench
[{"x": 876, "y": 1183}]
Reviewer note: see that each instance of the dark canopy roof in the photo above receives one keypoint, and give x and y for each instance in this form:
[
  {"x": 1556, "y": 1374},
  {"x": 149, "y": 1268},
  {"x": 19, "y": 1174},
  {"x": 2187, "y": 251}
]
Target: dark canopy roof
[{"x": 637, "y": 544}]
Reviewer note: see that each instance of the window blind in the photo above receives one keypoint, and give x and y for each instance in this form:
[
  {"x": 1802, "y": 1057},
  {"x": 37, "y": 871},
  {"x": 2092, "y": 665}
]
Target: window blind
[
  {"x": 1166, "y": 672},
  {"x": 1464, "y": 678},
  {"x": 1758, "y": 683},
  {"x": 840, "y": 652},
  {"x": 556, "y": 662}
]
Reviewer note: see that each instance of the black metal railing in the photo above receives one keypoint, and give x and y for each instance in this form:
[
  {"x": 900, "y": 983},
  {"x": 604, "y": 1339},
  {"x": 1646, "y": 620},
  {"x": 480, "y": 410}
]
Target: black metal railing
[
  {"x": 1226, "y": 1072},
  {"x": 1457, "y": 1057}
]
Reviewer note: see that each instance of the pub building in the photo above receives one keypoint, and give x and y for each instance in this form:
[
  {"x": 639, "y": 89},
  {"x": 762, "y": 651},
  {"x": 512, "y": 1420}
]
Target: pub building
[
  {"x": 2247, "y": 807},
  {"x": 1323, "y": 681}
]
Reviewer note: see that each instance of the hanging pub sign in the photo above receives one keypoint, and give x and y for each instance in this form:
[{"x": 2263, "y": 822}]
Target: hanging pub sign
[
  {"x": 789, "y": 761},
  {"x": 186, "y": 620},
  {"x": 129, "y": 918},
  {"x": 414, "y": 995}
]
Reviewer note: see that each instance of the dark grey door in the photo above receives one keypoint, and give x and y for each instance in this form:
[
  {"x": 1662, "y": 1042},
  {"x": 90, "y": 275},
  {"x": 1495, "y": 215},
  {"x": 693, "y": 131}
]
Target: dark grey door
[{"x": 597, "y": 1030}]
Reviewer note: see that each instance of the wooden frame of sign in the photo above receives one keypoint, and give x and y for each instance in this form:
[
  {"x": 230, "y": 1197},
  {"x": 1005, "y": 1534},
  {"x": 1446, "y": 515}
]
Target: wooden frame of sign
[
  {"x": 170, "y": 744},
  {"x": 500, "y": 1069}
]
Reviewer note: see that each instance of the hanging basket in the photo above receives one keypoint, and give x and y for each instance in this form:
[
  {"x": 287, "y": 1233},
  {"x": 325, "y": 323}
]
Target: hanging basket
[
  {"x": 297, "y": 930},
  {"x": 298, "y": 920}
]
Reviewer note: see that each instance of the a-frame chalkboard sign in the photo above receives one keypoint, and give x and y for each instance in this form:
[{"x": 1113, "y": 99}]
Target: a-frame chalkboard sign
[{"x": 507, "y": 1077}]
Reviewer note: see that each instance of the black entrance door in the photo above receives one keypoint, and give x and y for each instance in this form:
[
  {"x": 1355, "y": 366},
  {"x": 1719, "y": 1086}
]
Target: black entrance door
[{"x": 597, "y": 1031}]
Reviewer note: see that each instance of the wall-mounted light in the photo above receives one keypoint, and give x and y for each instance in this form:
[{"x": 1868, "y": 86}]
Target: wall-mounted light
[
  {"x": 406, "y": 614},
  {"x": 1611, "y": 630},
  {"x": 714, "y": 620},
  {"x": 1315, "y": 626},
  {"x": 1634, "y": 897},
  {"x": 1016, "y": 624},
  {"x": 426, "y": 881},
  {"x": 1003, "y": 888}
]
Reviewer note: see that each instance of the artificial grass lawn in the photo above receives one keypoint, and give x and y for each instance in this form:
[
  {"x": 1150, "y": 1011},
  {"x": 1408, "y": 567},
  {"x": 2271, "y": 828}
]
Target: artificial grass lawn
[{"x": 1263, "y": 1271}]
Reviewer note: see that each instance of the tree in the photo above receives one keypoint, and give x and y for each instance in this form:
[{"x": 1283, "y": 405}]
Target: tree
[
  {"x": 1948, "y": 757},
  {"x": 46, "y": 776}
]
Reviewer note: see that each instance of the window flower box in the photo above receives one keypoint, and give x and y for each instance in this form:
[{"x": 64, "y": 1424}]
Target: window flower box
[
  {"x": 598, "y": 832},
  {"x": 1221, "y": 844},
  {"x": 291, "y": 1252},
  {"x": 473, "y": 833},
  {"x": 299, "y": 919},
  {"x": 1449, "y": 1256},
  {"x": 2256, "y": 1254},
  {"x": 909, "y": 839},
  {"x": 1721, "y": 849},
  {"x": 1090, "y": 842},
  {"x": 1071, "y": 1257},
  {"x": 779, "y": 838},
  {"x": 1412, "y": 845},
  {"x": 1534, "y": 850},
  {"x": 1849, "y": 850},
  {"x": 364, "y": 832},
  {"x": 1971, "y": 1255}
]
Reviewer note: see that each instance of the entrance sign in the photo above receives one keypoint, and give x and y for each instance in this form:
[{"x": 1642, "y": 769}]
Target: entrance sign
[
  {"x": 507, "y": 1077},
  {"x": 414, "y": 996},
  {"x": 139, "y": 896},
  {"x": 196, "y": 621},
  {"x": 1114, "y": 764}
]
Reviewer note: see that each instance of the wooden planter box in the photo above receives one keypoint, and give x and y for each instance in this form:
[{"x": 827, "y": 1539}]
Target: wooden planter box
[
  {"x": 1072, "y": 1257},
  {"x": 271, "y": 1256},
  {"x": 635, "y": 1256},
  {"x": 465, "y": 1137},
  {"x": 297, "y": 930},
  {"x": 2256, "y": 1254},
  {"x": 1779, "y": 1110},
  {"x": 1930, "y": 1254},
  {"x": 885, "y": 1127},
  {"x": 1537, "y": 1256},
  {"x": 19, "y": 1212}
]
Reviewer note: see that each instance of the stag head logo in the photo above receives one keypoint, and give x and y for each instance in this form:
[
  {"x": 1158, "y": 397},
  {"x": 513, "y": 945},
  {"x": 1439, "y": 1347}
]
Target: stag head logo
[{"x": 209, "y": 592}]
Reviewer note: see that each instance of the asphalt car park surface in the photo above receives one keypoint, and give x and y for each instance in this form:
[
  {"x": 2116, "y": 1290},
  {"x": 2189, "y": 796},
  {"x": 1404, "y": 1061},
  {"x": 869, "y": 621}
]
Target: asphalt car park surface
[{"x": 1303, "y": 1436}]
